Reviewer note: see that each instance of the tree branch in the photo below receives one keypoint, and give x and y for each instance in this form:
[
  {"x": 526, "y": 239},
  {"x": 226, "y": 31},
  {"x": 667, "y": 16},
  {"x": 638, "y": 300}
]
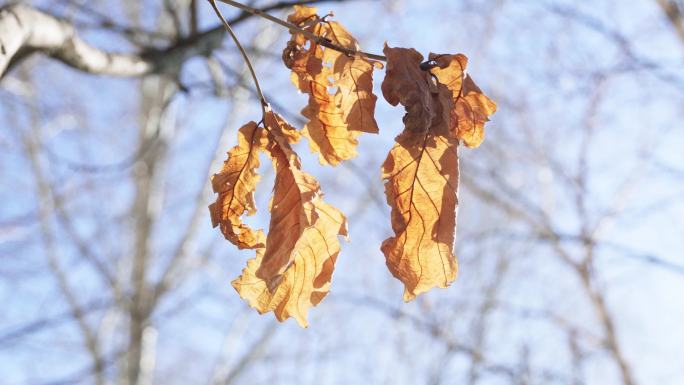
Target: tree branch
[
  {"x": 262, "y": 99},
  {"x": 25, "y": 30},
  {"x": 293, "y": 28}
]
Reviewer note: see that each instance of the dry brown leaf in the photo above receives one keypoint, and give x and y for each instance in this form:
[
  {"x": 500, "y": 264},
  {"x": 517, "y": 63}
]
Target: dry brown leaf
[
  {"x": 422, "y": 179},
  {"x": 235, "y": 185},
  {"x": 293, "y": 271},
  {"x": 307, "y": 280},
  {"x": 471, "y": 107},
  {"x": 290, "y": 207},
  {"x": 301, "y": 14},
  {"x": 355, "y": 93},
  {"x": 407, "y": 84},
  {"x": 328, "y": 134},
  {"x": 334, "y": 120},
  {"x": 421, "y": 174}
]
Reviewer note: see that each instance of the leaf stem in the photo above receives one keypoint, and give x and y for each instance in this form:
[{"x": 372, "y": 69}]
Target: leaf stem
[
  {"x": 293, "y": 28},
  {"x": 262, "y": 98}
]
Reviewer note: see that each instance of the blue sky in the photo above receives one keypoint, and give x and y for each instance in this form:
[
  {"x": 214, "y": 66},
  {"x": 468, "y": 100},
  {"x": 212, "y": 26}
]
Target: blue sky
[{"x": 546, "y": 63}]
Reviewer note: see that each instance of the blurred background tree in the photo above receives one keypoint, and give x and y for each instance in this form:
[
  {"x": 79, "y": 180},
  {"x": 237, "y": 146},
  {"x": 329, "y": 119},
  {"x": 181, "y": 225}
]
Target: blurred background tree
[{"x": 570, "y": 225}]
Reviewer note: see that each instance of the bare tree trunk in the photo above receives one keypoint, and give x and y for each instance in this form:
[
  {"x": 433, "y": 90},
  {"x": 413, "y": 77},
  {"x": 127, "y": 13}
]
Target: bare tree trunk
[{"x": 157, "y": 93}]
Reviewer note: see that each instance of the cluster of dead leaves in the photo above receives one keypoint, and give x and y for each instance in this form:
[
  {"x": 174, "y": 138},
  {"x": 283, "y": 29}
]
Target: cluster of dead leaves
[{"x": 294, "y": 263}]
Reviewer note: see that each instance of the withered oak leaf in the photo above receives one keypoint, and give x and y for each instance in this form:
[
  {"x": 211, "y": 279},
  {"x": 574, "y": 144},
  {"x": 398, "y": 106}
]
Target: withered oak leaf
[
  {"x": 294, "y": 263},
  {"x": 235, "y": 185},
  {"x": 421, "y": 178},
  {"x": 341, "y": 102}
]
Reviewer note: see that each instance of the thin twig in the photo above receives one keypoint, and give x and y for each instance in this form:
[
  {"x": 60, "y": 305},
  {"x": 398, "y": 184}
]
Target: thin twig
[
  {"x": 264, "y": 103},
  {"x": 293, "y": 28}
]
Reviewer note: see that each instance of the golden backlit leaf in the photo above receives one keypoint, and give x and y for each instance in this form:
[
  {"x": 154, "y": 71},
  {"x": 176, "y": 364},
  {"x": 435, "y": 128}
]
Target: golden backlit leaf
[
  {"x": 471, "y": 107},
  {"x": 336, "y": 33},
  {"x": 290, "y": 207},
  {"x": 328, "y": 134},
  {"x": 280, "y": 129},
  {"x": 341, "y": 102},
  {"x": 307, "y": 280},
  {"x": 293, "y": 271},
  {"x": 421, "y": 172},
  {"x": 301, "y": 14},
  {"x": 355, "y": 93},
  {"x": 235, "y": 185},
  {"x": 421, "y": 178}
]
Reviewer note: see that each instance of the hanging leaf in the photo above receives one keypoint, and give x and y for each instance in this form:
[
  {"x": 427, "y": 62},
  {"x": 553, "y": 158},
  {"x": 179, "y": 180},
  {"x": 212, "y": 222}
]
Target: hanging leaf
[
  {"x": 307, "y": 280},
  {"x": 334, "y": 118},
  {"x": 291, "y": 211},
  {"x": 421, "y": 174},
  {"x": 293, "y": 267},
  {"x": 235, "y": 185}
]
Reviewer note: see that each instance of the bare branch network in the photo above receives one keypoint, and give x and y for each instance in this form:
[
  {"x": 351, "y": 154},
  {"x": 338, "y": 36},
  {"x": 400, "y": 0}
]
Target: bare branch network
[
  {"x": 519, "y": 244},
  {"x": 25, "y": 30}
]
